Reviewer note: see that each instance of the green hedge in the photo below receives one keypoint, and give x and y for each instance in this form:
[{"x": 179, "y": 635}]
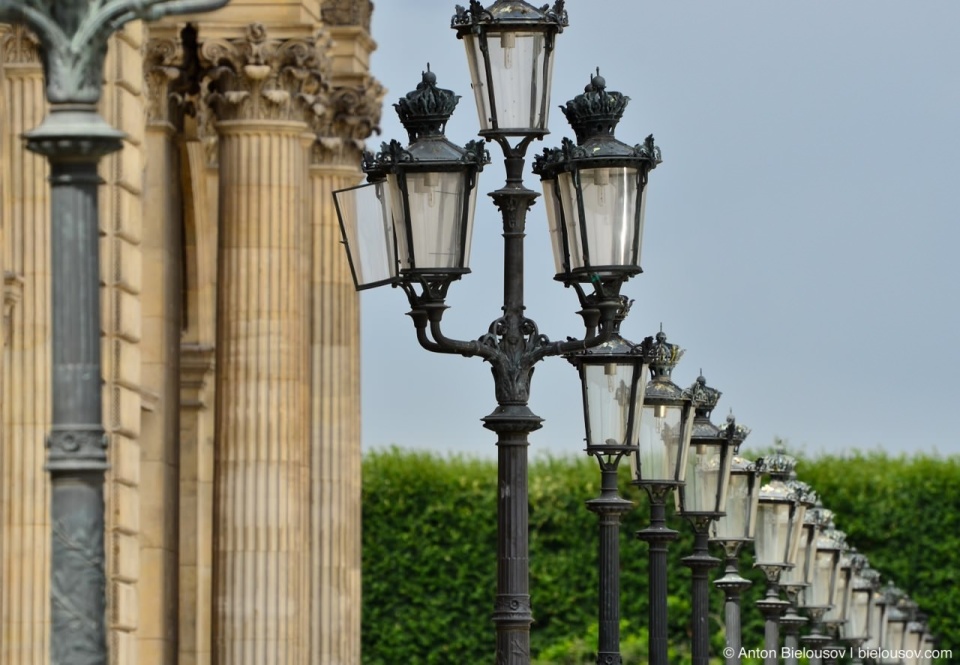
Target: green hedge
[{"x": 429, "y": 553}]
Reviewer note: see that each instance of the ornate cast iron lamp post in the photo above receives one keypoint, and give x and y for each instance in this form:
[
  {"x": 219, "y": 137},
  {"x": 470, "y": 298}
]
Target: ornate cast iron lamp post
[
  {"x": 794, "y": 580},
  {"x": 659, "y": 466},
  {"x": 411, "y": 227},
  {"x": 613, "y": 376},
  {"x": 856, "y": 631},
  {"x": 73, "y": 36},
  {"x": 779, "y": 520},
  {"x": 732, "y": 530},
  {"x": 702, "y": 499}
]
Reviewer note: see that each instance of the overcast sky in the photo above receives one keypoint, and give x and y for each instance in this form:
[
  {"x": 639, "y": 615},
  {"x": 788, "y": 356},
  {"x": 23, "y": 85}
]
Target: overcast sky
[{"x": 801, "y": 237}]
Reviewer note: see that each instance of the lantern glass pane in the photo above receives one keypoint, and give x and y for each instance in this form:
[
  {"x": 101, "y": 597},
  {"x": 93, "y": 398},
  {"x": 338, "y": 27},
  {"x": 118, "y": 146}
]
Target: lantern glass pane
[
  {"x": 436, "y": 203},
  {"x": 706, "y": 465},
  {"x": 773, "y": 532},
  {"x": 733, "y": 525},
  {"x": 798, "y": 574},
  {"x": 661, "y": 442},
  {"x": 566, "y": 184},
  {"x": 822, "y": 570},
  {"x": 856, "y": 626},
  {"x": 521, "y": 71},
  {"x": 554, "y": 220},
  {"x": 366, "y": 224},
  {"x": 893, "y": 637},
  {"x": 840, "y": 596},
  {"x": 610, "y": 397},
  {"x": 877, "y": 616},
  {"x": 796, "y": 526}
]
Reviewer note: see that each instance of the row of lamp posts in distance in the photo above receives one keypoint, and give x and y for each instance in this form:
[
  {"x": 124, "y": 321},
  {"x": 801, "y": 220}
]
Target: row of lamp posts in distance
[{"x": 410, "y": 226}]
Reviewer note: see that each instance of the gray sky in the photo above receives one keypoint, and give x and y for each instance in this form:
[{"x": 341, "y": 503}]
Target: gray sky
[{"x": 801, "y": 235}]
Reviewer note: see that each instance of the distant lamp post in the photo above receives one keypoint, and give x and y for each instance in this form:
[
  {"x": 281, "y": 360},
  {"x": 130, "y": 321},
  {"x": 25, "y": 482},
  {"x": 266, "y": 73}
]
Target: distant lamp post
[
  {"x": 794, "y": 580},
  {"x": 835, "y": 619},
  {"x": 820, "y": 597},
  {"x": 73, "y": 36},
  {"x": 613, "y": 376},
  {"x": 731, "y": 531},
  {"x": 779, "y": 522},
  {"x": 913, "y": 640},
  {"x": 659, "y": 466},
  {"x": 856, "y": 631},
  {"x": 878, "y": 619},
  {"x": 701, "y": 500},
  {"x": 898, "y": 616}
]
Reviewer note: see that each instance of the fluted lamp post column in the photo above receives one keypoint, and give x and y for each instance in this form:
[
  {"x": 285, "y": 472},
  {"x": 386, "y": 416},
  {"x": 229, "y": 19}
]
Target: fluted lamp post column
[
  {"x": 732, "y": 530},
  {"x": 411, "y": 227},
  {"x": 613, "y": 376},
  {"x": 659, "y": 467},
  {"x": 701, "y": 500},
  {"x": 779, "y": 521},
  {"x": 73, "y": 37}
]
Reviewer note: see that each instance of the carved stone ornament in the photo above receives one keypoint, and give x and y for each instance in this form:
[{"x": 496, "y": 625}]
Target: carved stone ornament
[
  {"x": 347, "y": 12},
  {"x": 350, "y": 116},
  {"x": 19, "y": 46},
  {"x": 259, "y": 78},
  {"x": 163, "y": 61}
]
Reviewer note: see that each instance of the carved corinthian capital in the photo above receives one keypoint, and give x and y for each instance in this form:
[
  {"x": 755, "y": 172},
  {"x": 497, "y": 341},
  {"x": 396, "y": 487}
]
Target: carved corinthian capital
[
  {"x": 256, "y": 77},
  {"x": 19, "y": 46},
  {"x": 347, "y": 12},
  {"x": 162, "y": 66},
  {"x": 351, "y": 115}
]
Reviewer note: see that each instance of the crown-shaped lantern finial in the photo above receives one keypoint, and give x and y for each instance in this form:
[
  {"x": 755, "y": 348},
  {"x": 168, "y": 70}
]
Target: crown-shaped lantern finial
[
  {"x": 595, "y": 112},
  {"x": 778, "y": 465},
  {"x": 704, "y": 397},
  {"x": 663, "y": 357},
  {"x": 736, "y": 433},
  {"x": 425, "y": 111}
]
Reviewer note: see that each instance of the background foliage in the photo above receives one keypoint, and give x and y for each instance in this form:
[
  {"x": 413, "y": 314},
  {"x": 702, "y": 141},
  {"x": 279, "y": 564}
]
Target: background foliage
[{"x": 429, "y": 553}]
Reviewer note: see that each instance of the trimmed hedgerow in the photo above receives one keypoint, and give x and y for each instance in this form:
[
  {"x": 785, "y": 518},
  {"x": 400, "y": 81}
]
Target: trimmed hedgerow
[{"x": 429, "y": 553}]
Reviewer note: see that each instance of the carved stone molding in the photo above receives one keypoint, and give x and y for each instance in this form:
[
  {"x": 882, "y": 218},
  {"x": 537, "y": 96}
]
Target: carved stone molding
[
  {"x": 259, "y": 78},
  {"x": 351, "y": 115},
  {"x": 347, "y": 12},
  {"x": 162, "y": 67},
  {"x": 197, "y": 362},
  {"x": 19, "y": 46}
]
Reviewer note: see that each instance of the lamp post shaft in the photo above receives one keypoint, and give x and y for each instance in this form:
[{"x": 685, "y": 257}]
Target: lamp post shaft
[
  {"x": 609, "y": 507},
  {"x": 733, "y": 585},
  {"x": 658, "y": 537},
  {"x": 700, "y": 563}
]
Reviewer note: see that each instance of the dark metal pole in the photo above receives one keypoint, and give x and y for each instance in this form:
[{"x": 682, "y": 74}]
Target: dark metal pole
[
  {"x": 733, "y": 585},
  {"x": 700, "y": 564},
  {"x": 658, "y": 537},
  {"x": 609, "y": 506},
  {"x": 792, "y": 622},
  {"x": 815, "y": 640},
  {"x": 772, "y": 608},
  {"x": 77, "y": 445}
]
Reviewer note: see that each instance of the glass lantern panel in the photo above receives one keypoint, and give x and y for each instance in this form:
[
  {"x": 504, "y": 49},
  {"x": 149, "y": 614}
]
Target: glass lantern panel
[
  {"x": 436, "y": 202},
  {"x": 610, "y": 212},
  {"x": 877, "y": 616},
  {"x": 822, "y": 570},
  {"x": 554, "y": 219},
  {"x": 840, "y": 596},
  {"x": 796, "y": 523},
  {"x": 893, "y": 636},
  {"x": 733, "y": 525},
  {"x": 773, "y": 531},
  {"x": 566, "y": 184},
  {"x": 856, "y": 626},
  {"x": 702, "y": 480},
  {"x": 660, "y": 437},
  {"x": 521, "y": 71},
  {"x": 798, "y": 574},
  {"x": 366, "y": 223},
  {"x": 609, "y": 399}
]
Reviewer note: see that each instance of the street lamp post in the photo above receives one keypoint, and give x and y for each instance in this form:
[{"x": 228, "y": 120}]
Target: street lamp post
[
  {"x": 779, "y": 521},
  {"x": 856, "y": 631},
  {"x": 659, "y": 466},
  {"x": 73, "y": 37},
  {"x": 702, "y": 499},
  {"x": 794, "y": 580},
  {"x": 735, "y": 528},
  {"x": 820, "y": 596},
  {"x": 411, "y": 226},
  {"x": 613, "y": 377}
]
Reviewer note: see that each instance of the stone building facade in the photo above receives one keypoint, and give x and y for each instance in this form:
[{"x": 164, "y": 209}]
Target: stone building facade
[{"x": 230, "y": 338}]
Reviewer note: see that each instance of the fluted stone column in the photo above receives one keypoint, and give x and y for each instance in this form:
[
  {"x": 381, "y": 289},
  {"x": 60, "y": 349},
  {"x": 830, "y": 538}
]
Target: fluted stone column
[
  {"x": 25, "y": 486},
  {"x": 262, "y": 540}
]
